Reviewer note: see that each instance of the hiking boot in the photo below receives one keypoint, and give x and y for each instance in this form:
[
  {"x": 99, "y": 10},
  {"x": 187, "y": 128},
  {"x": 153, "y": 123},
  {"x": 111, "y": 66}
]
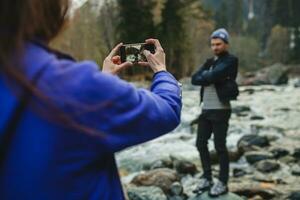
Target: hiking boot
[
  {"x": 219, "y": 188},
  {"x": 203, "y": 185}
]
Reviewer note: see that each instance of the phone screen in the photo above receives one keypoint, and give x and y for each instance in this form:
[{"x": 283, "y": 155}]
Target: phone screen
[{"x": 134, "y": 52}]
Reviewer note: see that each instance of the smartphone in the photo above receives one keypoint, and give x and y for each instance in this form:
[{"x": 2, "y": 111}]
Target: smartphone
[{"x": 134, "y": 52}]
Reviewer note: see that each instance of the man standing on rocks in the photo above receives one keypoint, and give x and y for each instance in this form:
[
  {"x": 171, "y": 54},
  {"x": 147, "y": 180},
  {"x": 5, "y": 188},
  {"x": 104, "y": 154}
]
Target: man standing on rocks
[{"x": 218, "y": 87}]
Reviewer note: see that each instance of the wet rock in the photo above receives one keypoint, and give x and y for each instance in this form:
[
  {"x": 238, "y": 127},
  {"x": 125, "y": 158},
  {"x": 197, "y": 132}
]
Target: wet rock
[
  {"x": 194, "y": 121},
  {"x": 234, "y": 155},
  {"x": 256, "y": 197},
  {"x": 267, "y": 166},
  {"x": 205, "y": 196},
  {"x": 256, "y": 156},
  {"x": 287, "y": 159},
  {"x": 294, "y": 195},
  {"x": 249, "y": 90},
  {"x": 296, "y": 153},
  {"x": 268, "y": 178},
  {"x": 162, "y": 178},
  {"x": 267, "y": 130},
  {"x": 176, "y": 189},
  {"x": 189, "y": 183},
  {"x": 297, "y": 84},
  {"x": 276, "y": 74},
  {"x": 284, "y": 109},
  {"x": 257, "y": 117},
  {"x": 251, "y": 141},
  {"x": 183, "y": 166},
  {"x": 238, "y": 172},
  {"x": 163, "y": 163},
  {"x": 145, "y": 193},
  {"x": 241, "y": 110},
  {"x": 296, "y": 170},
  {"x": 177, "y": 198},
  {"x": 272, "y": 138},
  {"x": 255, "y": 191},
  {"x": 279, "y": 152}
]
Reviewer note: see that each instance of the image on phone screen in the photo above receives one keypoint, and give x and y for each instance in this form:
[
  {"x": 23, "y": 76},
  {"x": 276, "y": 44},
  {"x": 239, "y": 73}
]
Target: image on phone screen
[{"x": 134, "y": 52}]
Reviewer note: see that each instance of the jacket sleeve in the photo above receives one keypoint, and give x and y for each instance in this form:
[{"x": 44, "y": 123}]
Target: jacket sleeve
[
  {"x": 221, "y": 71},
  {"x": 124, "y": 114},
  {"x": 197, "y": 77}
]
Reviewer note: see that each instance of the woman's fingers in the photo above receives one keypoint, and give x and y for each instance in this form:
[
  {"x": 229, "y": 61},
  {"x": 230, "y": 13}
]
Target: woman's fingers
[
  {"x": 144, "y": 64},
  {"x": 157, "y": 45},
  {"x": 123, "y": 66},
  {"x": 116, "y": 60},
  {"x": 147, "y": 54},
  {"x": 114, "y": 51}
]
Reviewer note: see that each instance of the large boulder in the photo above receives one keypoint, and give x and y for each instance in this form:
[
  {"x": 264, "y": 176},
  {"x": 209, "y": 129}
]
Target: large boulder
[
  {"x": 276, "y": 74},
  {"x": 145, "y": 193},
  {"x": 162, "y": 178}
]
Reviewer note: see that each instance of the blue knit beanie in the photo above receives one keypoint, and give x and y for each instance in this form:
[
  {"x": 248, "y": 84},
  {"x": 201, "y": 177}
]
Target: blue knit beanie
[{"x": 221, "y": 34}]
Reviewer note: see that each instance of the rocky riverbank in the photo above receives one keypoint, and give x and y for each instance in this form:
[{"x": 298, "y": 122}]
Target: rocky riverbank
[{"x": 264, "y": 144}]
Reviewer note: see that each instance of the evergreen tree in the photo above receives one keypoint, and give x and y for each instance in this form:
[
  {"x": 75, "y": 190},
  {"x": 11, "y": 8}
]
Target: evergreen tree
[
  {"x": 171, "y": 34},
  {"x": 135, "y": 20}
]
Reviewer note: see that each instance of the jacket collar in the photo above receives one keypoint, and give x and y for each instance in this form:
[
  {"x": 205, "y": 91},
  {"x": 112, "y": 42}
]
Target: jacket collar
[
  {"x": 58, "y": 54},
  {"x": 225, "y": 53}
]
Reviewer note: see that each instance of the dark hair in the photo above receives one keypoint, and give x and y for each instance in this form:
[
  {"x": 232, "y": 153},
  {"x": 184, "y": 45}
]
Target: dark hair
[{"x": 23, "y": 20}]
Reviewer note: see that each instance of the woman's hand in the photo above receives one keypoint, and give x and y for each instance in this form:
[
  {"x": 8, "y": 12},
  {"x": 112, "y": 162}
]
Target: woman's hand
[
  {"x": 112, "y": 63},
  {"x": 156, "y": 61}
]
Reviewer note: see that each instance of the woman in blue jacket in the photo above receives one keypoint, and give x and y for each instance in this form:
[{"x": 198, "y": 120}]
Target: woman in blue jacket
[{"x": 61, "y": 121}]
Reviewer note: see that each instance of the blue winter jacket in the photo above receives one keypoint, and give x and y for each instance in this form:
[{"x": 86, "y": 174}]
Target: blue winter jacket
[{"x": 48, "y": 160}]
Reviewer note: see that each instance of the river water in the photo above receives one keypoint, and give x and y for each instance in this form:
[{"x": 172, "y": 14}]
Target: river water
[{"x": 278, "y": 105}]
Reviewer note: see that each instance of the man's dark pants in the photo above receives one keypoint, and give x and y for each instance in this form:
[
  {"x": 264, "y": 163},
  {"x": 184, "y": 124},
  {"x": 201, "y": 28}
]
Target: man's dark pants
[{"x": 216, "y": 122}]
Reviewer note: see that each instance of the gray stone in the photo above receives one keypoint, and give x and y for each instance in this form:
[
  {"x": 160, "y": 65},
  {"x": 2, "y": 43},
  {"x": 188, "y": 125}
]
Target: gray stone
[
  {"x": 276, "y": 74},
  {"x": 250, "y": 192},
  {"x": 294, "y": 195},
  {"x": 162, "y": 178},
  {"x": 177, "y": 198},
  {"x": 267, "y": 130},
  {"x": 163, "y": 163},
  {"x": 257, "y": 197},
  {"x": 267, "y": 166},
  {"x": 287, "y": 159},
  {"x": 251, "y": 141},
  {"x": 234, "y": 156},
  {"x": 255, "y": 156},
  {"x": 296, "y": 153},
  {"x": 176, "y": 189},
  {"x": 238, "y": 172},
  {"x": 297, "y": 84},
  {"x": 205, "y": 196},
  {"x": 241, "y": 110},
  {"x": 146, "y": 193},
  {"x": 296, "y": 170},
  {"x": 183, "y": 166},
  {"x": 257, "y": 117},
  {"x": 279, "y": 152}
]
